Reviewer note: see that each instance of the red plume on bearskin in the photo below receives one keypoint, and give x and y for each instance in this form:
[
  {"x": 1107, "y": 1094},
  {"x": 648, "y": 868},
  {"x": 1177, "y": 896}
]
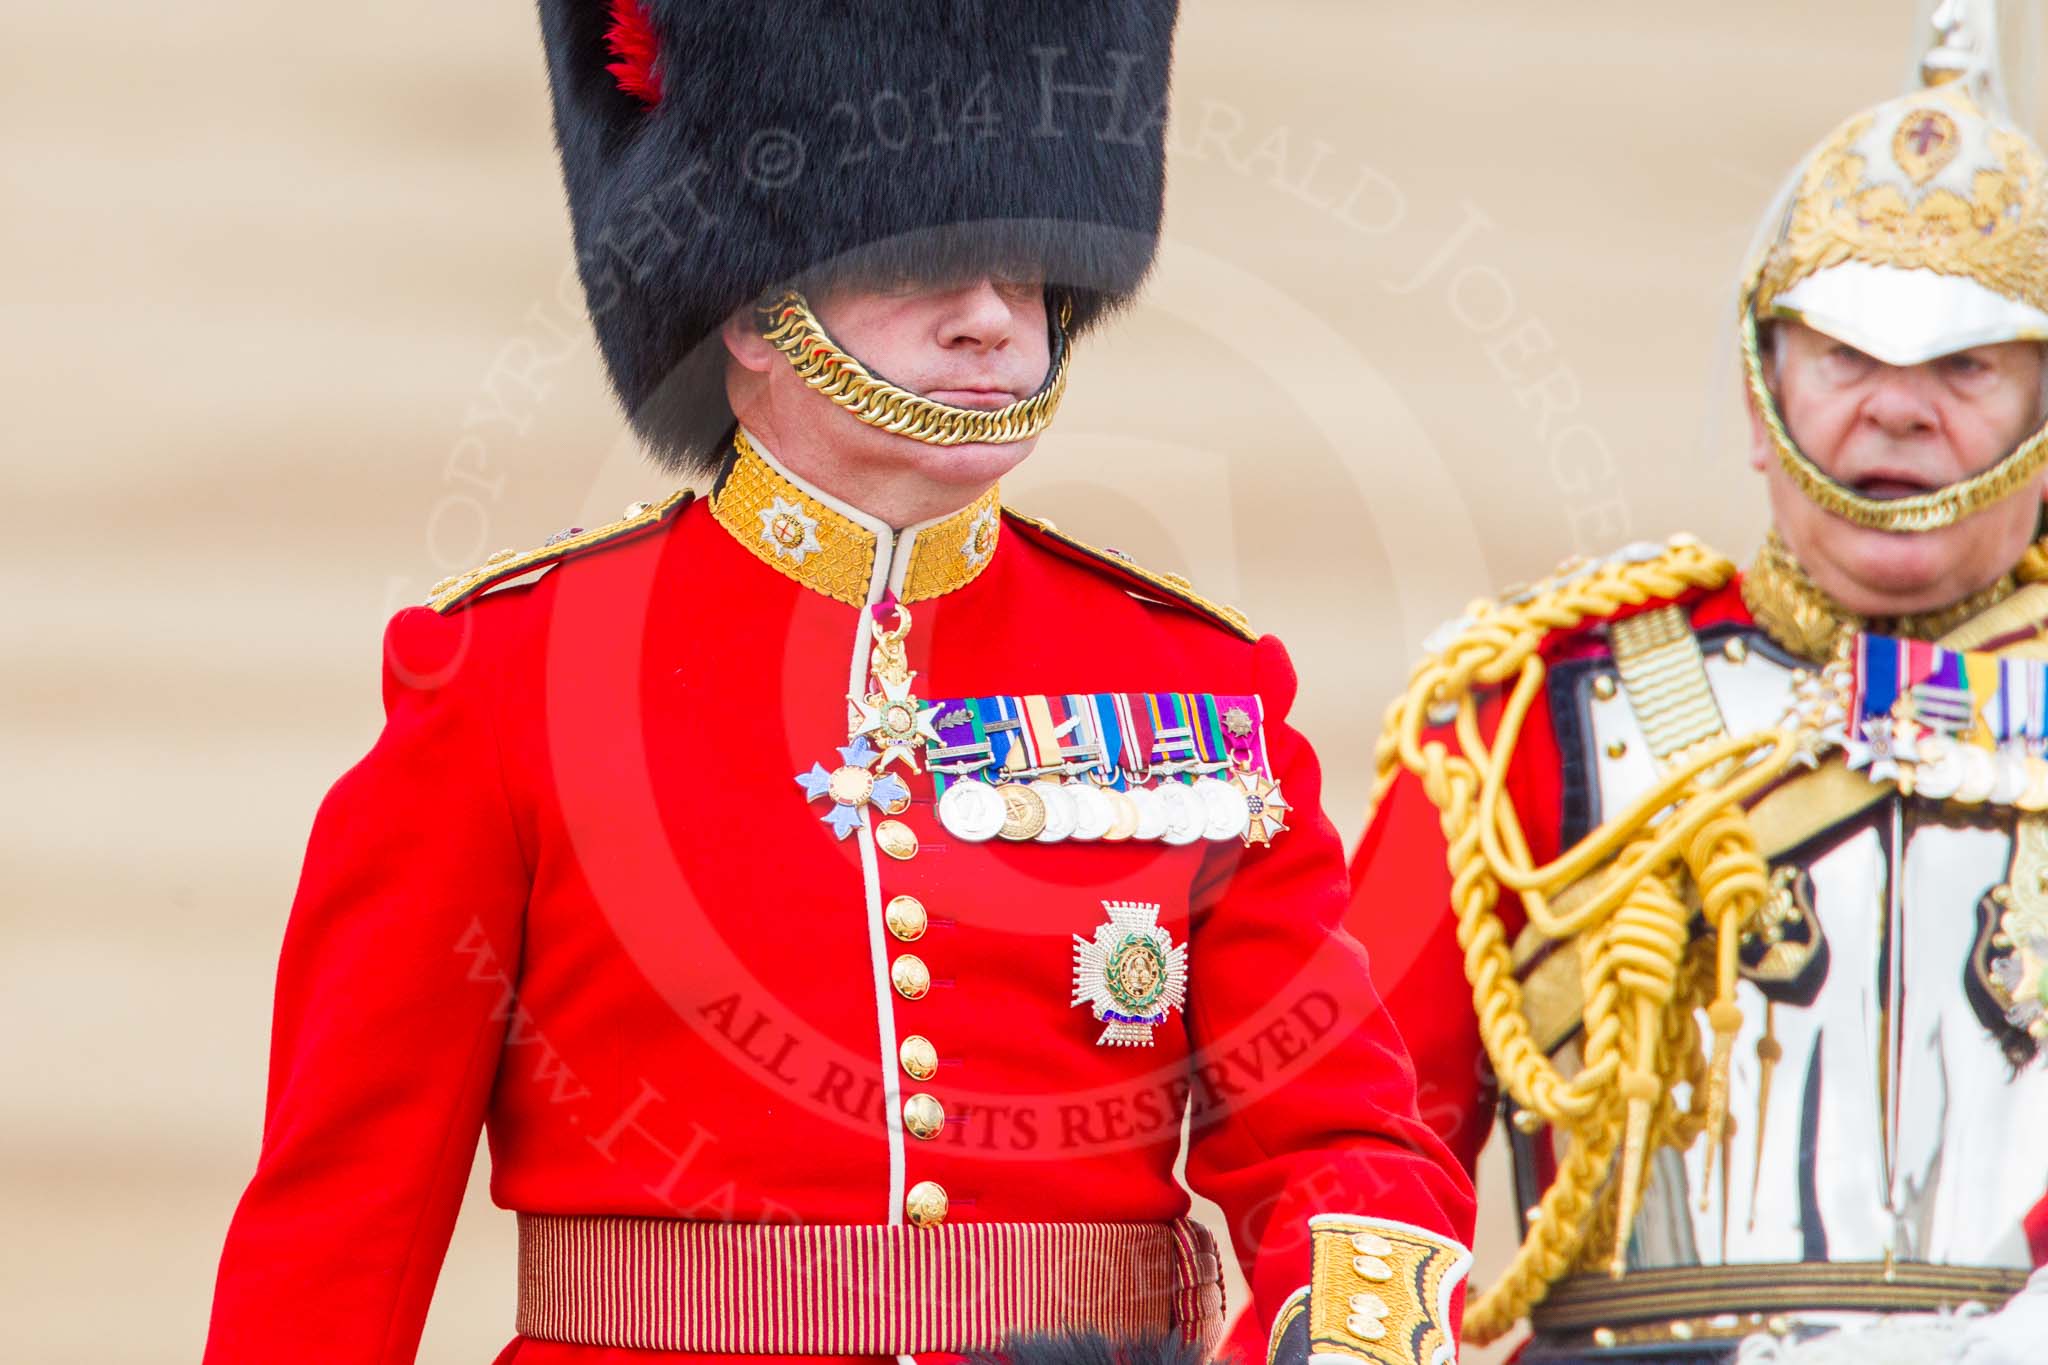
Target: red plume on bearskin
[{"x": 632, "y": 43}]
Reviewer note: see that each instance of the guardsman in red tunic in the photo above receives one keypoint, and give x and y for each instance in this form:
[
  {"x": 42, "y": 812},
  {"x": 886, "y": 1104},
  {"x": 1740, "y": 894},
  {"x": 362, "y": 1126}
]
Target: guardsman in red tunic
[
  {"x": 1731, "y": 891},
  {"x": 833, "y": 892}
]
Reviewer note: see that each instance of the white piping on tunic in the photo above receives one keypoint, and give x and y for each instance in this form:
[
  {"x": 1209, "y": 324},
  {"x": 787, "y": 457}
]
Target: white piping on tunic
[
  {"x": 891, "y": 567},
  {"x": 892, "y": 1086}
]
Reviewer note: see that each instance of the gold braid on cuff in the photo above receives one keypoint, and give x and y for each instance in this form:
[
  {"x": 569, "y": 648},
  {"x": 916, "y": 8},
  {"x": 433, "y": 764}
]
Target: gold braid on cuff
[
  {"x": 1922, "y": 511},
  {"x": 790, "y": 326},
  {"x": 1379, "y": 1293}
]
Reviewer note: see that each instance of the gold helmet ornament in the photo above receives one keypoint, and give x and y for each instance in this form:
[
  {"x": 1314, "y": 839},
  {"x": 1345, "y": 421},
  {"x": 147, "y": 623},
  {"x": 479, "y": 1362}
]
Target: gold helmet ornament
[{"x": 1917, "y": 229}]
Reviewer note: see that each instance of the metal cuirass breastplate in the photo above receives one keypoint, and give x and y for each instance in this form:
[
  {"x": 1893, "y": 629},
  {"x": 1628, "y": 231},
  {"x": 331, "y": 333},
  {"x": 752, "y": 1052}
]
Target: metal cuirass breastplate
[{"x": 1883, "y": 1111}]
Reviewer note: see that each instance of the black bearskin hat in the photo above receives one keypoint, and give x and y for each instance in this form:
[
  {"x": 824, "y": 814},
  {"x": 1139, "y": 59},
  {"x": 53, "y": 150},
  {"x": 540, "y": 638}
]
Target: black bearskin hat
[
  {"x": 1091, "y": 1348},
  {"x": 713, "y": 149}
]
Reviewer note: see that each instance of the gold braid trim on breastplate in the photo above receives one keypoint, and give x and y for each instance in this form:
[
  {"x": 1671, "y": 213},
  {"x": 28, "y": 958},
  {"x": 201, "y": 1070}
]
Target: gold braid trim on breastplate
[
  {"x": 1794, "y": 612},
  {"x": 1623, "y": 899}
]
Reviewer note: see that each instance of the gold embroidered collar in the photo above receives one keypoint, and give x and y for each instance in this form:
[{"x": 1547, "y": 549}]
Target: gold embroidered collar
[
  {"x": 1795, "y": 613},
  {"x": 831, "y": 547}
]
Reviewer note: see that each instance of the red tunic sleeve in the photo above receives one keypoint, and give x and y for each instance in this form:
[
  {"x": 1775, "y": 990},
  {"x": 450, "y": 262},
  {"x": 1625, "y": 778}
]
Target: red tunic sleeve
[
  {"x": 1401, "y": 909},
  {"x": 1303, "y": 1097},
  {"x": 389, "y": 1017}
]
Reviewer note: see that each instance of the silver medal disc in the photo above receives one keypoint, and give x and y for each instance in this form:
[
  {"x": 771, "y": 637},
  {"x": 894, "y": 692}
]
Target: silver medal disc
[
  {"x": 1151, "y": 814},
  {"x": 1093, "y": 815},
  {"x": 971, "y": 810},
  {"x": 1224, "y": 813},
  {"x": 1980, "y": 774},
  {"x": 2012, "y": 777},
  {"x": 1939, "y": 770},
  {"x": 1184, "y": 814},
  {"x": 1060, "y": 815}
]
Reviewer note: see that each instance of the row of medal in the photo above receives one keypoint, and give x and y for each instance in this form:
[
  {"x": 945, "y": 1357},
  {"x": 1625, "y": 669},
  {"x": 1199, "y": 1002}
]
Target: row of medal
[
  {"x": 1951, "y": 725},
  {"x": 1176, "y": 767},
  {"x": 1049, "y": 810},
  {"x": 1173, "y": 767}
]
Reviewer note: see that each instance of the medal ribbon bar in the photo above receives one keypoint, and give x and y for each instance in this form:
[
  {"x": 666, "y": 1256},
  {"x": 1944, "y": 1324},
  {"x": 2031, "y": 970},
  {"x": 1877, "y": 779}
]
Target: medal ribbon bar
[{"x": 1142, "y": 743}]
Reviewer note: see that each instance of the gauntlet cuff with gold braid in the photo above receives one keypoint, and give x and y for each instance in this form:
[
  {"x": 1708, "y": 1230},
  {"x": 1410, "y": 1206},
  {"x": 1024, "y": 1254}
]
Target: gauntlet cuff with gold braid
[{"x": 1379, "y": 1292}]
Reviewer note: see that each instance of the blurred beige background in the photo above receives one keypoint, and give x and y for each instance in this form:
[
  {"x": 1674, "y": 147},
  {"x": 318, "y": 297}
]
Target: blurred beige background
[{"x": 290, "y": 333}]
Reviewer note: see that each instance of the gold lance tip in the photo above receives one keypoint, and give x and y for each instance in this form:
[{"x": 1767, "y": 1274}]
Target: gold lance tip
[
  {"x": 1769, "y": 1052},
  {"x": 1641, "y": 1087},
  {"x": 1726, "y": 1018}
]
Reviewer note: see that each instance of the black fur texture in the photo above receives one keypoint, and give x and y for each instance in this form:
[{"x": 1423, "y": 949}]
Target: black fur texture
[
  {"x": 800, "y": 141},
  {"x": 1090, "y": 1348}
]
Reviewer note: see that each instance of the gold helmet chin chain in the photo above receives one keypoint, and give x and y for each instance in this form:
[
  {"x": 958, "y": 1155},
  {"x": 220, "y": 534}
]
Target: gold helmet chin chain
[
  {"x": 1943, "y": 507},
  {"x": 1686, "y": 842},
  {"x": 790, "y": 326}
]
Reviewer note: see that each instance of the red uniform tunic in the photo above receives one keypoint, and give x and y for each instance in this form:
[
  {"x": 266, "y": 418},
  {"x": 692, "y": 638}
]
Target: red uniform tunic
[{"x": 574, "y": 896}]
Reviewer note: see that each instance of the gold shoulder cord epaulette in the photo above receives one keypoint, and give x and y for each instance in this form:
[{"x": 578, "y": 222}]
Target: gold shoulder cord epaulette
[
  {"x": 458, "y": 590},
  {"x": 1476, "y": 652},
  {"x": 1623, "y": 897},
  {"x": 1170, "y": 587}
]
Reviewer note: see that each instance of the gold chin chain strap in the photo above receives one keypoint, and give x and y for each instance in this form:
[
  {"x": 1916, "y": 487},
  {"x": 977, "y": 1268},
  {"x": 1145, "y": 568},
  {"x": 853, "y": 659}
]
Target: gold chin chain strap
[
  {"x": 1628, "y": 913},
  {"x": 1793, "y": 610},
  {"x": 791, "y": 328}
]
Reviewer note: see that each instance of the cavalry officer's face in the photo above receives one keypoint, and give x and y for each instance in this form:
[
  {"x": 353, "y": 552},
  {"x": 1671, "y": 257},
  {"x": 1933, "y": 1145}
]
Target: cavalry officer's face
[
  {"x": 981, "y": 343},
  {"x": 1891, "y": 431}
]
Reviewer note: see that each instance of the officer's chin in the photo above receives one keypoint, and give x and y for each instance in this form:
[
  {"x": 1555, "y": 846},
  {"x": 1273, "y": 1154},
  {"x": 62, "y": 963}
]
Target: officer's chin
[
  {"x": 1894, "y": 573},
  {"x": 979, "y": 463}
]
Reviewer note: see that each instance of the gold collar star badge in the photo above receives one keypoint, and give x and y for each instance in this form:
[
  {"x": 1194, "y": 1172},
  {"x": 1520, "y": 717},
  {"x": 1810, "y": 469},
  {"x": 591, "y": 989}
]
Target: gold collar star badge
[
  {"x": 790, "y": 531},
  {"x": 981, "y": 538}
]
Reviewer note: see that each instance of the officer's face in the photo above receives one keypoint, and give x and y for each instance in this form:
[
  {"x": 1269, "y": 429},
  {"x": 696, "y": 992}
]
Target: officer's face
[
  {"x": 980, "y": 344},
  {"x": 1892, "y": 431}
]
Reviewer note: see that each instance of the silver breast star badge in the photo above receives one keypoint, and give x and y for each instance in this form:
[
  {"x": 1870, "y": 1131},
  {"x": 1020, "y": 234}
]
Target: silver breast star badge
[{"x": 1131, "y": 975}]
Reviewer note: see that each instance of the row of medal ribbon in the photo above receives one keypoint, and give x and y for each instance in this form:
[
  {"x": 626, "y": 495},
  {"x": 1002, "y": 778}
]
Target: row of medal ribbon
[
  {"x": 1177, "y": 767},
  {"x": 1963, "y": 725}
]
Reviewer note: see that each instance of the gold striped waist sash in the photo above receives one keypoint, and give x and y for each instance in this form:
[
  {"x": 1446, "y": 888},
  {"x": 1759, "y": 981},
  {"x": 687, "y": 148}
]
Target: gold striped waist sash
[{"x": 669, "y": 1284}]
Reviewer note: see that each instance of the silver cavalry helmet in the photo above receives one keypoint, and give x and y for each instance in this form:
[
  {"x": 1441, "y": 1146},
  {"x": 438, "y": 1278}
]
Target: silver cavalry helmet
[{"x": 1916, "y": 229}]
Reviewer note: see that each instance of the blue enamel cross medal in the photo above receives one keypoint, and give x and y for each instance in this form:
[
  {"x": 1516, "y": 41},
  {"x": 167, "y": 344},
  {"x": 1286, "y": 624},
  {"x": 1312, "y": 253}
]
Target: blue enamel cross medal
[
  {"x": 891, "y": 717},
  {"x": 855, "y": 783}
]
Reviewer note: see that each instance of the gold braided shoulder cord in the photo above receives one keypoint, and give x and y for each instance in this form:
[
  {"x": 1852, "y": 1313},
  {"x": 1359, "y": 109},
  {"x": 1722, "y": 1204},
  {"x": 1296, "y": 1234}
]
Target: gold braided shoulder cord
[
  {"x": 791, "y": 328},
  {"x": 1642, "y": 982}
]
